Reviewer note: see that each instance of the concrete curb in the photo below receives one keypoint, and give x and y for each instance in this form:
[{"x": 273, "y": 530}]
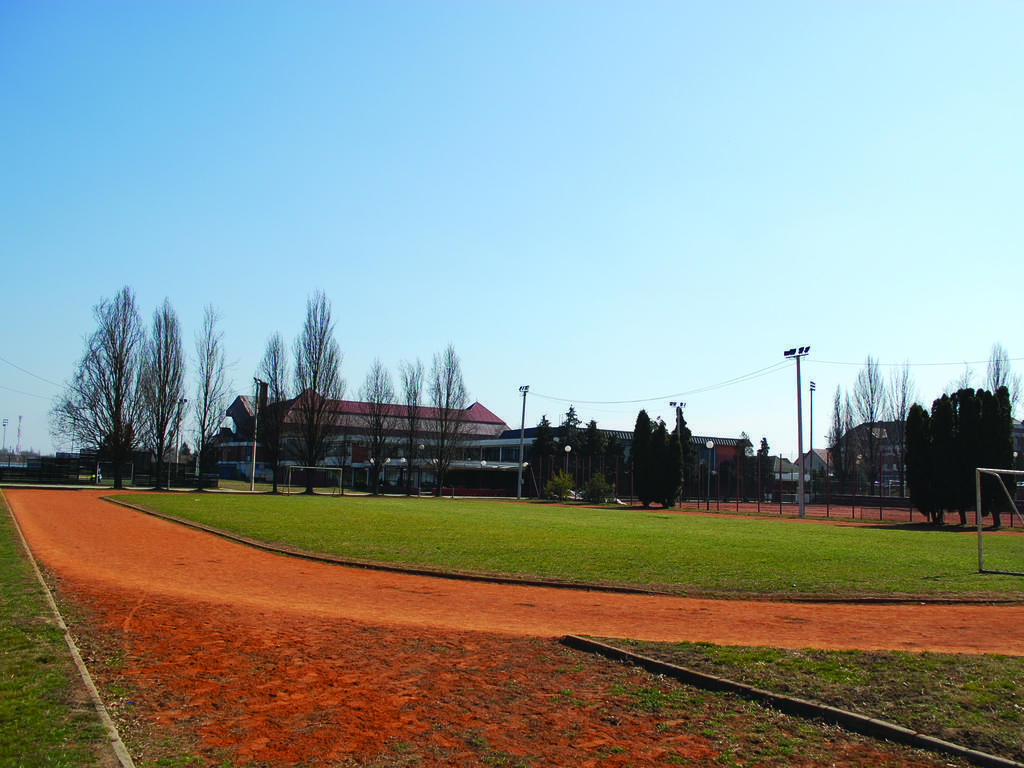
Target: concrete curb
[
  {"x": 114, "y": 738},
  {"x": 851, "y": 721}
]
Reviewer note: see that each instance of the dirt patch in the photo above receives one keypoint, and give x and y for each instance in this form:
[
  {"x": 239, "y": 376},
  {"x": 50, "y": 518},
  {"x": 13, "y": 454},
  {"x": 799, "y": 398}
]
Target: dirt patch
[{"x": 229, "y": 653}]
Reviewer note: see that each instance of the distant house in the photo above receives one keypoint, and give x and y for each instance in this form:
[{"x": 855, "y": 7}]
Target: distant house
[{"x": 817, "y": 461}]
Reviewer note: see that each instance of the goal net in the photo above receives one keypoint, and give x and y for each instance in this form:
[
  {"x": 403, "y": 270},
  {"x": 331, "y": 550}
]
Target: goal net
[
  {"x": 998, "y": 553},
  {"x": 326, "y": 481}
]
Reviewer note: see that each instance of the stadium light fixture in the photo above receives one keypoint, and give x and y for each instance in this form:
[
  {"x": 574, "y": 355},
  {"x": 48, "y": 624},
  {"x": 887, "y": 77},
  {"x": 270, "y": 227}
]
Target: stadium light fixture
[{"x": 796, "y": 353}]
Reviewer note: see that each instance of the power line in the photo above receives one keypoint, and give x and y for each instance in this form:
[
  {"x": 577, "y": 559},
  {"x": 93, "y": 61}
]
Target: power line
[
  {"x": 25, "y": 370},
  {"x": 26, "y": 394},
  {"x": 676, "y": 395},
  {"x": 915, "y": 365}
]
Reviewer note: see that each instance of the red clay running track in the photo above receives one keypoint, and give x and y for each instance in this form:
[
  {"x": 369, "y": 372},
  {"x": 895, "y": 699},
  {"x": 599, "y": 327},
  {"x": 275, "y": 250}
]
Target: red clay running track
[{"x": 88, "y": 541}]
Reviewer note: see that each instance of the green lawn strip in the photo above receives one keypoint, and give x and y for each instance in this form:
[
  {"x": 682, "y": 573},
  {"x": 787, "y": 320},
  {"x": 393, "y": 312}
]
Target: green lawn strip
[
  {"x": 692, "y": 554},
  {"x": 46, "y": 718},
  {"x": 974, "y": 701}
]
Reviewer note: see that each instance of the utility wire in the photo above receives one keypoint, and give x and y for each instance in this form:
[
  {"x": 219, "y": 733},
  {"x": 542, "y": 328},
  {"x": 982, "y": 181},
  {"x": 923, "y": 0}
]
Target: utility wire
[
  {"x": 720, "y": 385},
  {"x": 25, "y": 370},
  {"x": 26, "y": 394},
  {"x": 915, "y": 365}
]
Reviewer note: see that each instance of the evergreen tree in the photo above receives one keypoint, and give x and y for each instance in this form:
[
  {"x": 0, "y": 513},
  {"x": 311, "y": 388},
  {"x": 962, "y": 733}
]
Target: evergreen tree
[
  {"x": 593, "y": 442},
  {"x": 967, "y": 439},
  {"x": 919, "y": 460},
  {"x": 640, "y": 458},
  {"x": 673, "y": 470},
  {"x": 996, "y": 448},
  {"x": 765, "y": 460},
  {"x": 658, "y": 464},
  {"x": 570, "y": 429},
  {"x": 745, "y": 468},
  {"x": 943, "y": 456},
  {"x": 544, "y": 445},
  {"x": 685, "y": 439}
]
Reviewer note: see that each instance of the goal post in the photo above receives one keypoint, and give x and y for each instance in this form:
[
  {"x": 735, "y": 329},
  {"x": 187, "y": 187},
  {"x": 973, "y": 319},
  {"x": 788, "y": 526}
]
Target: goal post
[
  {"x": 1009, "y": 494},
  {"x": 329, "y": 485}
]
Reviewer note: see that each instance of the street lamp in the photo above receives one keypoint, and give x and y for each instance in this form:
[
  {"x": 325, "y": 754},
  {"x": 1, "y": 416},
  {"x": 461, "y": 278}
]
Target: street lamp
[
  {"x": 255, "y": 429},
  {"x": 5, "y": 442},
  {"x": 568, "y": 448},
  {"x": 177, "y": 451},
  {"x": 796, "y": 353},
  {"x": 710, "y": 445},
  {"x": 522, "y": 442}
]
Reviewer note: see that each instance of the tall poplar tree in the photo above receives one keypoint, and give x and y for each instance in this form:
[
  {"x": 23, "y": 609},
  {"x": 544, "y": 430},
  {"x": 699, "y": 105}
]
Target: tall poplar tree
[{"x": 640, "y": 458}]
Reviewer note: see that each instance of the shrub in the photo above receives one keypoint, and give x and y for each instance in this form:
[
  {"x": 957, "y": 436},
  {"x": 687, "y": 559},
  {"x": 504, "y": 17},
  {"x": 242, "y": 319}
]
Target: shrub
[
  {"x": 559, "y": 486},
  {"x": 597, "y": 491}
]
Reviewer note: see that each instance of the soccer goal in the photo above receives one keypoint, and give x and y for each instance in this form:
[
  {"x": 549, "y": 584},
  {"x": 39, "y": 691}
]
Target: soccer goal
[
  {"x": 1005, "y": 552},
  {"x": 326, "y": 480}
]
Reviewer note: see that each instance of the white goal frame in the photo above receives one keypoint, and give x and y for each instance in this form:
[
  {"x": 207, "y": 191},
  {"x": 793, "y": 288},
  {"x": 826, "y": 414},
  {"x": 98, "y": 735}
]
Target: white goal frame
[
  {"x": 335, "y": 490},
  {"x": 997, "y": 473}
]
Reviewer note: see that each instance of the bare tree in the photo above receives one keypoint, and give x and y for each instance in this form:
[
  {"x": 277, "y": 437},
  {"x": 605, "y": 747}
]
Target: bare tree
[
  {"x": 211, "y": 392},
  {"x": 412, "y": 389},
  {"x": 1001, "y": 375},
  {"x": 379, "y": 416},
  {"x": 839, "y": 437},
  {"x": 272, "y": 415},
  {"x": 868, "y": 407},
  {"x": 449, "y": 398},
  {"x": 101, "y": 405},
  {"x": 901, "y": 396},
  {"x": 318, "y": 383},
  {"x": 163, "y": 383}
]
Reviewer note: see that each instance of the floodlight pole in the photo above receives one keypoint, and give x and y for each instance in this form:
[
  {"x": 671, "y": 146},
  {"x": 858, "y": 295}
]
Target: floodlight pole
[
  {"x": 522, "y": 443},
  {"x": 797, "y": 353},
  {"x": 810, "y": 448},
  {"x": 679, "y": 434}
]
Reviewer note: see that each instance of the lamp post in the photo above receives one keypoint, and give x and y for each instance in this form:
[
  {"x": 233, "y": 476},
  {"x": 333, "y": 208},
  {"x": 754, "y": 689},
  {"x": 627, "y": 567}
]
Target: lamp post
[
  {"x": 710, "y": 445},
  {"x": 177, "y": 451},
  {"x": 568, "y": 448},
  {"x": 796, "y": 353},
  {"x": 5, "y": 443},
  {"x": 419, "y": 474},
  {"x": 522, "y": 443},
  {"x": 255, "y": 429}
]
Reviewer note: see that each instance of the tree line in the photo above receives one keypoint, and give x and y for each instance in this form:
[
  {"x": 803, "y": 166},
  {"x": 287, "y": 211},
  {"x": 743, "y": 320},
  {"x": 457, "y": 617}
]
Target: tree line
[
  {"x": 935, "y": 450},
  {"x": 128, "y": 392},
  {"x": 963, "y": 431},
  {"x": 657, "y": 461}
]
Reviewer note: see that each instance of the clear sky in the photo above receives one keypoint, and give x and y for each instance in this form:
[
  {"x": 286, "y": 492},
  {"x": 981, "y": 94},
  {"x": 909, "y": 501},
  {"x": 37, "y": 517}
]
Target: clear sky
[{"x": 617, "y": 203}]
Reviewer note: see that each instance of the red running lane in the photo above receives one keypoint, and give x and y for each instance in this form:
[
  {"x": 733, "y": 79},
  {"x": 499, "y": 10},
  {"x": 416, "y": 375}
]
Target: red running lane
[{"x": 89, "y": 542}]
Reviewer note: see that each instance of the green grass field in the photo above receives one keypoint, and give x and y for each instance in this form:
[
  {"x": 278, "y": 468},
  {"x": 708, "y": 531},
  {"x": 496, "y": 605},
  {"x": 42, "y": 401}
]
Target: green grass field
[
  {"x": 44, "y": 720},
  {"x": 691, "y": 554}
]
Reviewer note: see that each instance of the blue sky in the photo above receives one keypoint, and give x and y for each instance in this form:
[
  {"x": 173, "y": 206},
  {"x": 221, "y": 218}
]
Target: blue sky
[{"x": 617, "y": 203}]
